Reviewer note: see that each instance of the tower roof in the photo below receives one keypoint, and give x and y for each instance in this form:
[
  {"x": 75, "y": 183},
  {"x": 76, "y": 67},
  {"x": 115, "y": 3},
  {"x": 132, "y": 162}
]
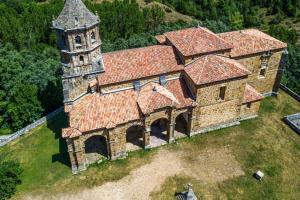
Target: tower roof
[{"x": 75, "y": 15}]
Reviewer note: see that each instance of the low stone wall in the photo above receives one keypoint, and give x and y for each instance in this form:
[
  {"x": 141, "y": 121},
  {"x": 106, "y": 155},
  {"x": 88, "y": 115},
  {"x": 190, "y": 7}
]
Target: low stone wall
[
  {"x": 290, "y": 92},
  {"x": 8, "y": 138},
  {"x": 293, "y": 121}
]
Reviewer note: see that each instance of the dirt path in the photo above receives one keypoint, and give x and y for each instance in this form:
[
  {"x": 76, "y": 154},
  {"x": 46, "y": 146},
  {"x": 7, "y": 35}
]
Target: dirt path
[{"x": 210, "y": 166}]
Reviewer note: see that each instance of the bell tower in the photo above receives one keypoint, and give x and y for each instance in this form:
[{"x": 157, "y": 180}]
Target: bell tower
[{"x": 79, "y": 42}]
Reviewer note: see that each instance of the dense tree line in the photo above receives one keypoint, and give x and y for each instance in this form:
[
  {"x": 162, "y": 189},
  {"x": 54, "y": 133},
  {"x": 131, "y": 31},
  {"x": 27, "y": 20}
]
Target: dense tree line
[{"x": 30, "y": 84}]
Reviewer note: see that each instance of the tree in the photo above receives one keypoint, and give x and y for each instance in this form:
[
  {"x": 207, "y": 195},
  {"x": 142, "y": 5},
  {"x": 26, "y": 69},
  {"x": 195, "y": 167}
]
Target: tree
[
  {"x": 24, "y": 106},
  {"x": 10, "y": 177},
  {"x": 236, "y": 20}
]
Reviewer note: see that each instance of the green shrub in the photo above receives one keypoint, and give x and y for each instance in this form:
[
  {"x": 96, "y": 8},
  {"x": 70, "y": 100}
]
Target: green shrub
[{"x": 10, "y": 173}]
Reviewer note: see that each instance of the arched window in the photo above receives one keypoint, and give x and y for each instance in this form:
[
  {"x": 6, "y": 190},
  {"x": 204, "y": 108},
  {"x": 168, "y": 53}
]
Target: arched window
[
  {"x": 93, "y": 37},
  {"x": 81, "y": 59},
  {"x": 78, "y": 40}
]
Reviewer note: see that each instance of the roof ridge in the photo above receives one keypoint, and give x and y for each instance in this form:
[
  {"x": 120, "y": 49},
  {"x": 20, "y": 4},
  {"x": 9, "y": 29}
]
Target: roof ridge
[
  {"x": 136, "y": 49},
  {"x": 202, "y": 68}
]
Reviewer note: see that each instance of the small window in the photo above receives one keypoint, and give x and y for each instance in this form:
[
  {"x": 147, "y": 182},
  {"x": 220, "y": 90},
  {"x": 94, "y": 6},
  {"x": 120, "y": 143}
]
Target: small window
[
  {"x": 249, "y": 105},
  {"x": 222, "y": 92},
  {"x": 63, "y": 41},
  {"x": 162, "y": 80},
  {"x": 93, "y": 37},
  {"x": 262, "y": 72},
  {"x": 76, "y": 21},
  {"x": 137, "y": 85},
  {"x": 78, "y": 40},
  {"x": 81, "y": 59}
]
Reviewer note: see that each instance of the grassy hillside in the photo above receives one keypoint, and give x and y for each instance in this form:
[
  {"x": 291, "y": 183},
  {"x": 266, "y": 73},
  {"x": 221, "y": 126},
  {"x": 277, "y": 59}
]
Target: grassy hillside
[{"x": 265, "y": 143}]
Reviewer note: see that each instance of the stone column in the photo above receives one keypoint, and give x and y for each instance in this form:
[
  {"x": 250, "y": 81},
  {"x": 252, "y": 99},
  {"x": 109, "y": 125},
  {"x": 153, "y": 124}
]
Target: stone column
[
  {"x": 72, "y": 156},
  {"x": 280, "y": 71},
  {"x": 191, "y": 121},
  {"x": 171, "y": 126},
  {"x": 146, "y": 138},
  {"x": 115, "y": 147},
  {"x": 170, "y": 130},
  {"x": 79, "y": 154}
]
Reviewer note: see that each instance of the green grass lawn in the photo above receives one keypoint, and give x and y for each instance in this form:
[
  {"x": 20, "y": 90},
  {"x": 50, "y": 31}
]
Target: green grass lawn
[{"x": 264, "y": 143}]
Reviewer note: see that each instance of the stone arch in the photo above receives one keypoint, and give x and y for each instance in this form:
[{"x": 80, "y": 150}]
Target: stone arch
[
  {"x": 134, "y": 137},
  {"x": 77, "y": 40},
  {"x": 159, "y": 132},
  {"x": 181, "y": 125},
  {"x": 93, "y": 37},
  {"x": 81, "y": 59},
  {"x": 96, "y": 148}
]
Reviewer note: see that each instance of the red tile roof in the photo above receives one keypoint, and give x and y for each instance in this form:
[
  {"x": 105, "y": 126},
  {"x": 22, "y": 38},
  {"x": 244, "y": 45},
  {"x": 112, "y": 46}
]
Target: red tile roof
[
  {"x": 161, "y": 39},
  {"x": 96, "y": 111},
  {"x": 154, "y": 96},
  {"x": 195, "y": 41},
  {"x": 138, "y": 63},
  {"x": 251, "y": 94},
  {"x": 251, "y": 41},
  {"x": 213, "y": 68}
]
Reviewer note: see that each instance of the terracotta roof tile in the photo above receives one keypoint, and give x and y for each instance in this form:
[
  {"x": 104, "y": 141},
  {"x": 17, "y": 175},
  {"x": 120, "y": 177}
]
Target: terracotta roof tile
[
  {"x": 96, "y": 111},
  {"x": 251, "y": 94},
  {"x": 161, "y": 39},
  {"x": 138, "y": 63},
  {"x": 213, "y": 68},
  {"x": 70, "y": 132},
  {"x": 194, "y": 41},
  {"x": 154, "y": 96},
  {"x": 251, "y": 41}
]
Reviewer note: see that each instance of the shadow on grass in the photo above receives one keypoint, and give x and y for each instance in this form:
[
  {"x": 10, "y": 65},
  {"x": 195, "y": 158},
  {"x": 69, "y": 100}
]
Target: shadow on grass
[{"x": 55, "y": 125}]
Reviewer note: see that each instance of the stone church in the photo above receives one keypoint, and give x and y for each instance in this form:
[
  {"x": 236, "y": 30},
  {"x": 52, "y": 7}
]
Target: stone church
[{"x": 193, "y": 81}]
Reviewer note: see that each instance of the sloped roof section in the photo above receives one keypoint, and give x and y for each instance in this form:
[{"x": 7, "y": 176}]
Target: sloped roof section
[
  {"x": 138, "y": 63},
  {"x": 97, "y": 111},
  {"x": 213, "y": 68},
  {"x": 251, "y": 41},
  {"x": 75, "y": 15},
  {"x": 161, "y": 39},
  {"x": 195, "y": 41},
  {"x": 251, "y": 94},
  {"x": 154, "y": 96}
]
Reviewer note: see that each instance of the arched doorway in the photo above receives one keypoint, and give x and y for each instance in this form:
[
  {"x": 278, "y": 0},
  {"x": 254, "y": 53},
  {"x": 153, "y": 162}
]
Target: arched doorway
[
  {"x": 159, "y": 132},
  {"x": 134, "y": 138},
  {"x": 181, "y": 128},
  {"x": 95, "y": 148}
]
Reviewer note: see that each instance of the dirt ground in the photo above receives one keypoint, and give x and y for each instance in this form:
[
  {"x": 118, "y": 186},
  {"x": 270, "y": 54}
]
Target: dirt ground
[{"x": 211, "y": 166}]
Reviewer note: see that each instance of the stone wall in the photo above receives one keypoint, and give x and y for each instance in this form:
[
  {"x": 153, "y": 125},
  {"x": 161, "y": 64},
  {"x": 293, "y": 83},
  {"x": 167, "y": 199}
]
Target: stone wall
[
  {"x": 129, "y": 84},
  {"x": 247, "y": 112},
  {"x": 211, "y": 110},
  {"x": 253, "y": 64},
  {"x": 8, "y": 138}
]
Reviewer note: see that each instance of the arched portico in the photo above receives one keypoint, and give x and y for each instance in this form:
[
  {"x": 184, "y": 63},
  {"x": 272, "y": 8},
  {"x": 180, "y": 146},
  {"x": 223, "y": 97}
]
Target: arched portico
[
  {"x": 96, "y": 148},
  {"x": 160, "y": 132},
  {"x": 134, "y": 138},
  {"x": 181, "y": 125}
]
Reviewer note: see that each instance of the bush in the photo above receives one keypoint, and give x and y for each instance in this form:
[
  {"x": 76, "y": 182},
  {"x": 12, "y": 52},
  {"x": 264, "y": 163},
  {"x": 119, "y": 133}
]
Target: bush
[{"x": 10, "y": 173}]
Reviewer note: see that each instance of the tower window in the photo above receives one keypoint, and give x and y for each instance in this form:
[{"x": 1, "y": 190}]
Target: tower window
[
  {"x": 81, "y": 59},
  {"x": 93, "y": 37},
  {"x": 63, "y": 42},
  {"x": 78, "y": 40},
  {"x": 222, "y": 92}
]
